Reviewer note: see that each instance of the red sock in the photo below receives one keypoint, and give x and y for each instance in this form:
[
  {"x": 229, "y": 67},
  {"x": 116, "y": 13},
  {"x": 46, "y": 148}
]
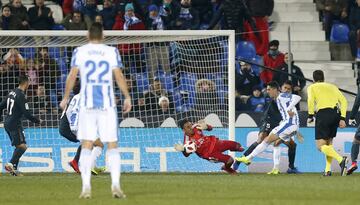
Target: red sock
[{"x": 354, "y": 163}]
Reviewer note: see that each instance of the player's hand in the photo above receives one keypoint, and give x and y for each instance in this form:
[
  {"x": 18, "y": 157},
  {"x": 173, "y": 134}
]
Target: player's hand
[
  {"x": 127, "y": 105},
  {"x": 352, "y": 122},
  {"x": 310, "y": 121},
  {"x": 179, "y": 147},
  {"x": 63, "y": 104},
  {"x": 342, "y": 124},
  {"x": 291, "y": 113},
  {"x": 300, "y": 137},
  {"x": 201, "y": 125}
]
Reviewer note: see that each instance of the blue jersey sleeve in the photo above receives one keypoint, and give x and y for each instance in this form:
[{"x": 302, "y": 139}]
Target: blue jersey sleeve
[
  {"x": 73, "y": 58},
  {"x": 119, "y": 63}
]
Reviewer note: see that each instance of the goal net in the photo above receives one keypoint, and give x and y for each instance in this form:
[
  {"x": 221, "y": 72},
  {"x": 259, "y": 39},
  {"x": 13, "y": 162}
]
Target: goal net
[{"x": 171, "y": 75}]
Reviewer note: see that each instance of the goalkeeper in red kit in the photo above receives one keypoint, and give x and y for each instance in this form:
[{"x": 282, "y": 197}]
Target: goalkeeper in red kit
[{"x": 208, "y": 147}]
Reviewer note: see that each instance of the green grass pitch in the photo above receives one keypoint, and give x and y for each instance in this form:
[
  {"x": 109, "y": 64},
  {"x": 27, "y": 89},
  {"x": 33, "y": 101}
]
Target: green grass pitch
[{"x": 183, "y": 189}]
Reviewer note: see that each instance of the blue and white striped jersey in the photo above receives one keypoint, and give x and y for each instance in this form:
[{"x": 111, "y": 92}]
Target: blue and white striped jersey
[
  {"x": 72, "y": 113},
  {"x": 286, "y": 102},
  {"x": 96, "y": 63}
]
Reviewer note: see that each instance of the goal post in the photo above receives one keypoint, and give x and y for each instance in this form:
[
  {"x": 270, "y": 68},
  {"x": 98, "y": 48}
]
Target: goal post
[{"x": 195, "y": 71}]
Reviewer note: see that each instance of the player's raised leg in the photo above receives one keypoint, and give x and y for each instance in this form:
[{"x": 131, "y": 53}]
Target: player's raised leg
[{"x": 354, "y": 153}]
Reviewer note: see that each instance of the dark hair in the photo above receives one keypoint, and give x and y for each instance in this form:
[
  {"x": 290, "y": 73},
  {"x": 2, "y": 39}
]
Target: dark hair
[
  {"x": 288, "y": 82},
  {"x": 6, "y": 6},
  {"x": 96, "y": 31},
  {"x": 182, "y": 122},
  {"x": 23, "y": 79},
  {"x": 274, "y": 43},
  {"x": 318, "y": 76},
  {"x": 77, "y": 86},
  {"x": 273, "y": 84}
]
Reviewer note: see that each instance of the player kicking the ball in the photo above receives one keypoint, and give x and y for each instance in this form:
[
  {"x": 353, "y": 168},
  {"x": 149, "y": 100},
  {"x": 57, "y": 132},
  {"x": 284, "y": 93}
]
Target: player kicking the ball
[
  {"x": 287, "y": 128},
  {"x": 207, "y": 147}
]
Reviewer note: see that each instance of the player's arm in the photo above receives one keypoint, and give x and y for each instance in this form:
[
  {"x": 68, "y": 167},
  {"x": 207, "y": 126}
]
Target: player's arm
[
  {"x": 24, "y": 107},
  {"x": 295, "y": 99},
  {"x": 201, "y": 125},
  {"x": 355, "y": 109},
  {"x": 121, "y": 83},
  {"x": 2, "y": 107},
  {"x": 70, "y": 82}
]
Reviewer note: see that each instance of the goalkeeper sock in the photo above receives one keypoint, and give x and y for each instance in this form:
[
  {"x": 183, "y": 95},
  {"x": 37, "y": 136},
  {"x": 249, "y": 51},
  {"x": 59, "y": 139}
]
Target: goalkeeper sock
[
  {"x": 354, "y": 152},
  {"x": 113, "y": 162},
  {"x": 276, "y": 157},
  {"x": 18, "y": 152},
  {"x": 85, "y": 168},
  {"x": 251, "y": 148},
  {"x": 260, "y": 148},
  {"x": 291, "y": 155},
  {"x": 329, "y": 150},
  {"x": 77, "y": 155},
  {"x": 95, "y": 153},
  {"x": 328, "y": 163}
]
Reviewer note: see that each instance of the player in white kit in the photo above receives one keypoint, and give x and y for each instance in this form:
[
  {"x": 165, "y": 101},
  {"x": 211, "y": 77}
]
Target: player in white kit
[
  {"x": 97, "y": 63},
  {"x": 287, "y": 128}
]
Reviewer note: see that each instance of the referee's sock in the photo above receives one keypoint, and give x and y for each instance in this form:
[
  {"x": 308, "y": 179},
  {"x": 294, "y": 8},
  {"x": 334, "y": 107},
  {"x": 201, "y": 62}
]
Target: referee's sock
[
  {"x": 329, "y": 150},
  {"x": 18, "y": 152},
  {"x": 251, "y": 148},
  {"x": 328, "y": 163},
  {"x": 354, "y": 152}
]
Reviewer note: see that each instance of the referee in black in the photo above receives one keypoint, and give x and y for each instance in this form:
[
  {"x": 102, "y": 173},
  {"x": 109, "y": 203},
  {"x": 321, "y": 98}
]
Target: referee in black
[
  {"x": 17, "y": 107},
  {"x": 331, "y": 112}
]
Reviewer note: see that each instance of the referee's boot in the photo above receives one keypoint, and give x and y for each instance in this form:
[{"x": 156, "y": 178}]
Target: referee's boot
[{"x": 343, "y": 166}]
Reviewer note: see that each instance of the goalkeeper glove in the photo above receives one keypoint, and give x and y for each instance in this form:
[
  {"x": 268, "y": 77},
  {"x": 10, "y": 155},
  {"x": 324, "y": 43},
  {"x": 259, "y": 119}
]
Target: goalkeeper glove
[
  {"x": 179, "y": 147},
  {"x": 201, "y": 125}
]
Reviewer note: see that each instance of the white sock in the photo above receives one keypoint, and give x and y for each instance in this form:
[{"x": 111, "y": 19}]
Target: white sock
[
  {"x": 95, "y": 153},
  {"x": 85, "y": 168},
  {"x": 260, "y": 148},
  {"x": 276, "y": 157},
  {"x": 113, "y": 162}
]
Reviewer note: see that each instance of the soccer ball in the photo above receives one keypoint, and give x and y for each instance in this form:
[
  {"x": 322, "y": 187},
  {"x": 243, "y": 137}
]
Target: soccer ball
[{"x": 190, "y": 147}]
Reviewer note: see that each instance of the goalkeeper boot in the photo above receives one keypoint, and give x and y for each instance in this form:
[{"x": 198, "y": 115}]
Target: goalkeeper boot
[
  {"x": 228, "y": 170},
  {"x": 85, "y": 194},
  {"x": 73, "y": 164},
  {"x": 117, "y": 193},
  {"x": 274, "y": 172},
  {"x": 243, "y": 159},
  {"x": 352, "y": 168},
  {"x": 10, "y": 168}
]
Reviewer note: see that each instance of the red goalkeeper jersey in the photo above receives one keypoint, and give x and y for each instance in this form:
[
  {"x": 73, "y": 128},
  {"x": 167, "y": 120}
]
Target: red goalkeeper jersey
[{"x": 205, "y": 144}]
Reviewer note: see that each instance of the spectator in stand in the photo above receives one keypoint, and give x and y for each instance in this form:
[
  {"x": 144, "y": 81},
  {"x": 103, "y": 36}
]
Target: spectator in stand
[
  {"x": 164, "y": 105},
  {"x": 41, "y": 102},
  {"x": 149, "y": 101},
  {"x": 354, "y": 35},
  {"x": 67, "y": 7},
  {"x": 206, "y": 96},
  {"x": 32, "y": 70},
  {"x": 256, "y": 102},
  {"x": 9, "y": 21},
  {"x": 331, "y": 10},
  {"x": 246, "y": 79},
  {"x": 273, "y": 59},
  {"x": 89, "y": 10},
  {"x": 188, "y": 18},
  {"x": 11, "y": 69},
  {"x": 261, "y": 10},
  {"x": 74, "y": 21},
  {"x": 234, "y": 13},
  {"x": 20, "y": 11},
  {"x": 48, "y": 71},
  {"x": 169, "y": 11},
  {"x": 158, "y": 52},
  {"x": 108, "y": 14},
  {"x": 205, "y": 10},
  {"x": 298, "y": 83},
  {"x": 40, "y": 16},
  {"x": 138, "y": 9},
  {"x": 130, "y": 53},
  {"x": 99, "y": 19}
]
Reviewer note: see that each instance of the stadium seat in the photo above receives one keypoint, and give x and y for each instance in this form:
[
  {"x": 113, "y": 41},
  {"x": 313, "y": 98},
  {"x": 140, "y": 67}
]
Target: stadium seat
[
  {"x": 55, "y": 52},
  {"x": 187, "y": 81},
  {"x": 142, "y": 82},
  {"x": 245, "y": 50},
  {"x": 258, "y": 60},
  {"x": 339, "y": 33},
  {"x": 58, "y": 27},
  {"x": 27, "y": 52},
  {"x": 167, "y": 81}
]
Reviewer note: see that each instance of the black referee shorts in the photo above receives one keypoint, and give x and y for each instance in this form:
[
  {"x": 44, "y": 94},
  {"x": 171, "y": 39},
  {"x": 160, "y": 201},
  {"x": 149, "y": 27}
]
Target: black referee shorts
[
  {"x": 326, "y": 124},
  {"x": 65, "y": 131},
  {"x": 16, "y": 135}
]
